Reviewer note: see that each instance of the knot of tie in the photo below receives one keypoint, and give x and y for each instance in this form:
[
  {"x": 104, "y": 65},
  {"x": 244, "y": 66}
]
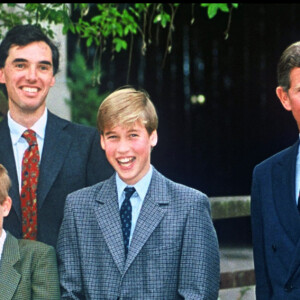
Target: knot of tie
[
  {"x": 129, "y": 192},
  {"x": 30, "y": 137}
]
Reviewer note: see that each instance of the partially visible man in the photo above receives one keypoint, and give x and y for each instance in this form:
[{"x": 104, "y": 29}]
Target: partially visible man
[
  {"x": 275, "y": 197},
  {"x": 66, "y": 156}
]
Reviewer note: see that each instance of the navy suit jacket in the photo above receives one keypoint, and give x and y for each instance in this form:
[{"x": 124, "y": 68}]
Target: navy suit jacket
[
  {"x": 276, "y": 227},
  {"x": 71, "y": 159}
]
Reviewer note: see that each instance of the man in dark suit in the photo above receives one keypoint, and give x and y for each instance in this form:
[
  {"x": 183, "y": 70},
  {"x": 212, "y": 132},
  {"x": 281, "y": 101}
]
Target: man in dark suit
[
  {"x": 275, "y": 197},
  {"x": 69, "y": 154},
  {"x": 28, "y": 269},
  {"x": 137, "y": 235}
]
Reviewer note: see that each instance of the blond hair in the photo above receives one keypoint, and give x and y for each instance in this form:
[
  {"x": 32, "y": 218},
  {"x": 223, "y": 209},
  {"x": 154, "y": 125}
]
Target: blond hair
[
  {"x": 5, "y": 183},
  {"x": 126, "y": 106}
]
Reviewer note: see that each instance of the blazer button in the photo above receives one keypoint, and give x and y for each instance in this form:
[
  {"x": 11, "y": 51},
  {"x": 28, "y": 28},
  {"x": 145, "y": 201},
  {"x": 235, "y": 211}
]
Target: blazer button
[{"x": 274, "y": 248}]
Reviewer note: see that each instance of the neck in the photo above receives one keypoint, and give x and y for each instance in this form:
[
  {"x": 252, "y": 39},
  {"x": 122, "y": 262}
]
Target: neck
[{"x": 26, "y": 119}]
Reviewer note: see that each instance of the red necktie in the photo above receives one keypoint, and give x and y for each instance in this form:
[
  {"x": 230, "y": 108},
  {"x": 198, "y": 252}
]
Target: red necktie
[{"x": 30, "y": 174}]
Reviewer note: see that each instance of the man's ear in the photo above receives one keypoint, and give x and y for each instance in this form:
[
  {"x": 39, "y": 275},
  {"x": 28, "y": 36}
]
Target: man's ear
[
  {"x": 284, "y": 98},
  {"x": 2, "y": 79}
]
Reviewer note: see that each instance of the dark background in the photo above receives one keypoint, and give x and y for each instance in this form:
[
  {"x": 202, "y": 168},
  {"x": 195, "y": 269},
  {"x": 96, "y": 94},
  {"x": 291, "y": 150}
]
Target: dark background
[{"x": 214, "y": 146}]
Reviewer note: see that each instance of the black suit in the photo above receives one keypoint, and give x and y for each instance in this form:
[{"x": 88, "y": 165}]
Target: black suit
[{"x": 71, "y": 159}]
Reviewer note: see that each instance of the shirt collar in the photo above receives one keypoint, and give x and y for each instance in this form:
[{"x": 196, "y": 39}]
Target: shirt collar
[
  {"x": 17, "y": 129},
  {"x": 141, "y": 186}
]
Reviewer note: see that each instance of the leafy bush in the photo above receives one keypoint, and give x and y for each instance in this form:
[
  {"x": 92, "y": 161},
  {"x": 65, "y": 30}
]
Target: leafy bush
[{"x": 85, "y": 98}]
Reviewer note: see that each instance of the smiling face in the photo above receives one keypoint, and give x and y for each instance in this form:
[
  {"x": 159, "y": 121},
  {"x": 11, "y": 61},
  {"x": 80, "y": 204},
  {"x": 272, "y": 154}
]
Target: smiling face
[
  {"x": 128, "y": 150},
  {"x": 28, "y": 76}
]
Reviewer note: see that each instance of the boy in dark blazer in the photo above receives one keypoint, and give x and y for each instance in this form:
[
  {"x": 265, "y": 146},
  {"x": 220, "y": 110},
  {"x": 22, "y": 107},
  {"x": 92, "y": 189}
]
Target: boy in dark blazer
[
  {"x": 69, "y": 154},
  {"x": 137, "y": 235},
  {"x": 275, "y": 197},
  {"x": 28, "y": 269}
]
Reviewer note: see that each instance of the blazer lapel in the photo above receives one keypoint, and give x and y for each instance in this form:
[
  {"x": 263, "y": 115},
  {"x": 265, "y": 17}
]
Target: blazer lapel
[
  {"x": 8, "y": 160},
  {"x": 283, "y": 175},
  {"x": 9, "y": 277},
  {"x": 151, "y": 214},
  {"x": 107, "y": 215},
  {"x": 56, "y": 146}
]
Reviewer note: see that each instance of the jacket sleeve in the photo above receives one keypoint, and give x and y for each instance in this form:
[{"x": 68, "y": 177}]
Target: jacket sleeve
[
  {"x": 200, "y": 261},
  {"x": 68, "y": 257},
  {"x": 45, "y": 280},
  {"x": 263, "y": 287}
]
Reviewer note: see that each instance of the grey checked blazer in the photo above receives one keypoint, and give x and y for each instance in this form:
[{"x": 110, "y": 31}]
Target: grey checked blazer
[{"x": 173, "y": 253}]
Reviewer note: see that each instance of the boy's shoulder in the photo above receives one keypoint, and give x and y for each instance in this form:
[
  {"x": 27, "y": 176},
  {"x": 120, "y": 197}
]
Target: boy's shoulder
[
  {"x": 175, "y": 189},
  {"x": 27, "y": 247}
]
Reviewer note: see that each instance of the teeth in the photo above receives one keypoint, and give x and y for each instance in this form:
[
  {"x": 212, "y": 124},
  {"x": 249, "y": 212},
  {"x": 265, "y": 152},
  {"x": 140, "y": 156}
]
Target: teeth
[
  {"x": 30, "y": 90},
  {"x": 125, "y": 160}
]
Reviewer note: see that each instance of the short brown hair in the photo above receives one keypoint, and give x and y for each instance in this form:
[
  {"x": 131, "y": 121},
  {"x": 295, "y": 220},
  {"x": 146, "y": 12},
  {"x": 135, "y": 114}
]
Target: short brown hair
[
  {"x": 125, "y": 106},
  {"x": 5, "y": 184},
  {"x": 289, "y": 60}
]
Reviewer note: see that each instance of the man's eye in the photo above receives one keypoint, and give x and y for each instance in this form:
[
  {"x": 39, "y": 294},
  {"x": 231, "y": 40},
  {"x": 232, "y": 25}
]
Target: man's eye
[
  {"x": 44, "y": 68},
  {"x": 20, "y": 66}
]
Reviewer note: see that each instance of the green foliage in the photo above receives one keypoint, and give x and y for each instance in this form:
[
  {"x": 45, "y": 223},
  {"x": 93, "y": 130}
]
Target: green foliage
[
  {"x": 114, "y": 21},
  {"x": 212, "y": 8},
  {"x": 85, "y": 99},
  {"x": 12, "y": 14},
  {"x": 3, "y": 105}
]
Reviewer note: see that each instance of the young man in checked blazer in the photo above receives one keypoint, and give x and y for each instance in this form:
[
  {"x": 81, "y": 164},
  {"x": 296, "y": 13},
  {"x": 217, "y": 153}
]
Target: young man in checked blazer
[
  {"x": 173, "y": 248},
  {"x": 28, "y": 269}
]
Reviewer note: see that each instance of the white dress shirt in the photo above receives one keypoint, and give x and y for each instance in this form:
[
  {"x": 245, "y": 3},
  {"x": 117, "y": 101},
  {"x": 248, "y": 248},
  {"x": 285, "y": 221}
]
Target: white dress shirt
[
  {"x": 20, "y": 144},
  {"x": 136, "y": 199}
]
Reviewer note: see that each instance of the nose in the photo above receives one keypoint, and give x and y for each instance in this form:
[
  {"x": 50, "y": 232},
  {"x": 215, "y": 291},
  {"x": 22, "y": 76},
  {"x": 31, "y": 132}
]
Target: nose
[
  {"x": 123, "y": 146},
  {"x": 31, "y": 74}
]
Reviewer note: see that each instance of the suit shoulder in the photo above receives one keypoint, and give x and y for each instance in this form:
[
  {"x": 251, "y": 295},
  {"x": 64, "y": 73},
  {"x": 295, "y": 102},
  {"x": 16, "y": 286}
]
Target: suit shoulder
[
  {"x": 72, "y": 126},
  {"x": 82, "y": 128},
  {"x": 268, "y": 162},
  {"x": 36, "y": 248},
  {"x": 179, "y": 190},
  {"x": 86, "y": 192}
]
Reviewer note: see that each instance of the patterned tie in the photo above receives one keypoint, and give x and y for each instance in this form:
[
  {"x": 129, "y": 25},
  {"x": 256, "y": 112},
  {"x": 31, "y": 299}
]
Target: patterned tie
[
  {"x": 125, "y": 214},
  {"x": 30, "y": 174}
]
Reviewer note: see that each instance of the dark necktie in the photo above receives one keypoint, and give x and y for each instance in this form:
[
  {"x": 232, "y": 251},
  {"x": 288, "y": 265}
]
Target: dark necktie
[
  {"x": 30, "y": 174},
  {"x": 125, "y": 214}
]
